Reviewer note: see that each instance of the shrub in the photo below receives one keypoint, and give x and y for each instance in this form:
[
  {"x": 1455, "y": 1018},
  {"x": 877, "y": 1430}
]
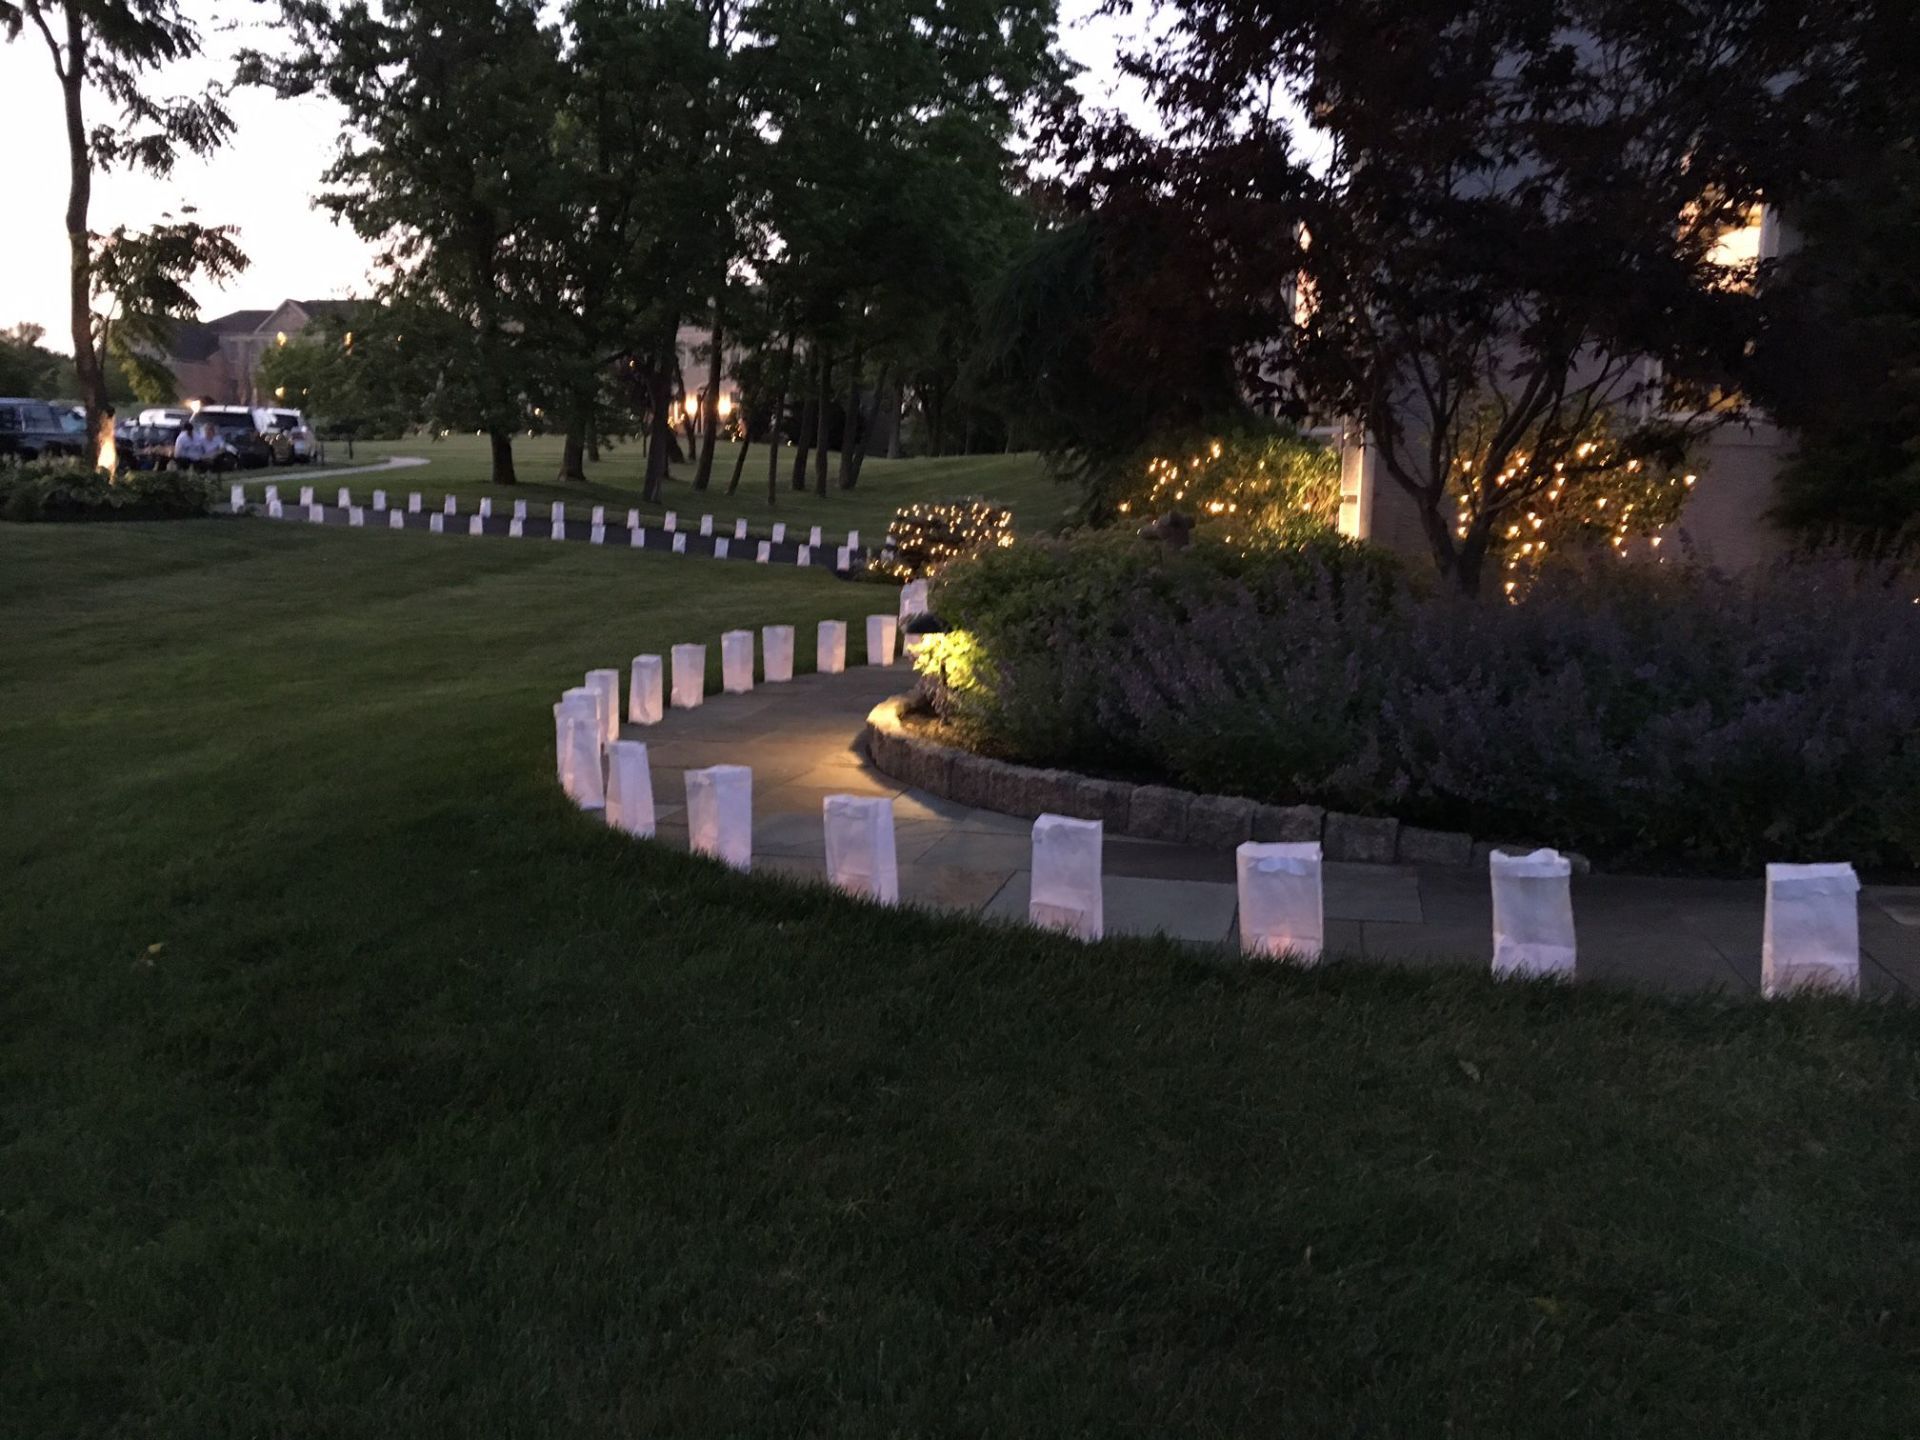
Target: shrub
[
  {"x": 1659, "y": 714},
  {"x": 69, "y": 490},
  {"x": 924, "y": 539},
  {"x": 1250, "y": 484}
]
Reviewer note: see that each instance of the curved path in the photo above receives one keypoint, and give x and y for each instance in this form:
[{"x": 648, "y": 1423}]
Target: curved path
[{"x": 801, "y": 741}]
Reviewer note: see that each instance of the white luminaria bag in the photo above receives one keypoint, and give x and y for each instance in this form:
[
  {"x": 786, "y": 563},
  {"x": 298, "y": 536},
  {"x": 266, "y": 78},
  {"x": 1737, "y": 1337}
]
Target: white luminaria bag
[
  {"x": 679, "y": 544},
  {"x": 843, "y": 559},
  {"x": 736, "y": 662},
  {"x": 1532, "y": 915},
  {"x": 605, "y": 685},
  {"x": 475, "y": 525},
  {"x": 763, "y": 552},
  {"x": 486, "y": 507},
  {"x": 637, "y": 538},
  {"x": 437, "y": 523},
  {"x": 577, "y": 742},
  {"x": 913, "y": 600},
  {"x": 1066, "y": 877},
  {"x": 706, "y": 525},
  {"x": 306, "y": 494},
  {"x": 599, "y": 516},
  {"x": 275, "y": 510},
  {"x": 557, "y": 530},
  {"x": 557, "y": 512},
  {"x": 629, "y": 788},
  {"x": 779, "y": 532},
  {"x": 273, "y": 493},
  {"x": 346, "y": 499},
  {"x": 452, "y": 506},
  {"x": 689, "y": 676},
  {"x": 379, "y": 499},
  {"x": 516, "y": 529},
  {"x": 720, "y": 548},
  {"x": 804, "y": 555},
  {"x": 830, "y": 656},
  {"x": 644, "y": 691},
  {"x": 853, "y": 539},
  {"x": 317, "y": 514},
  {"x": 814, "y": 537},
  {"x": 881, "y": 631},
  {"x": 633, "y": 519},
  {"x": 237, "y": 499},
  {"x": 1282, "y": 907},
  {"x": 720, "y": 813},
  {"x": 413, "y": 502},
  {"x": 776, "y": 653},
  {"x": 356, "y": 516},
  {"x": 519, "y": 509},
  {"x": 598, "y": 535},
  {"x": 739, "y": 529},
  {"x": 1811, "y": 937},
  {"x": 670, "y": 521},
  {"x": 396, "y": 520},
  {"x": 860, "y": 854}
]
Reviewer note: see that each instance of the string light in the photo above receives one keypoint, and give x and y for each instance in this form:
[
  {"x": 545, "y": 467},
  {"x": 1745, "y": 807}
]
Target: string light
[{"x": 924, "y": 539}]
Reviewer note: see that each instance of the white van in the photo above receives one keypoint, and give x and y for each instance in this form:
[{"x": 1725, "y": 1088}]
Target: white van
[{"x": 287, "y": 431}]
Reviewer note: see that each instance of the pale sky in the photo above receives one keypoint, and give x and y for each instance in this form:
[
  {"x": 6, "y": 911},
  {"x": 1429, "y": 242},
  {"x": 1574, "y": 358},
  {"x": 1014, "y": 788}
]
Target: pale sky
[{"x": 263, "y": 181}]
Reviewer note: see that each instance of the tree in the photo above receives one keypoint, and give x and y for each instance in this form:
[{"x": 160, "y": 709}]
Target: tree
[
  {"x": 1519, "y": 216},
  {"x": 446, "y": 162},
  {"x": 26, "y": 366},
  {"x": 110, "y": 50}
]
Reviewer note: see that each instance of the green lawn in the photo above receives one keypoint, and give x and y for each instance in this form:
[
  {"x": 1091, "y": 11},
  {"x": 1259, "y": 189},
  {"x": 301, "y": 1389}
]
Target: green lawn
[
  {"x": 460, "y": 464},
  {"x": 352, "y": 1085}
]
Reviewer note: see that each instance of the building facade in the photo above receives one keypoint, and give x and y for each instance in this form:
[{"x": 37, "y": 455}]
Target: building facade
[{"x": 217, "y": 362}]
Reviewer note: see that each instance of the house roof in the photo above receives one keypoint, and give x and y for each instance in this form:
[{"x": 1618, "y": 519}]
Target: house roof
[{"x": 199, "y": 340}]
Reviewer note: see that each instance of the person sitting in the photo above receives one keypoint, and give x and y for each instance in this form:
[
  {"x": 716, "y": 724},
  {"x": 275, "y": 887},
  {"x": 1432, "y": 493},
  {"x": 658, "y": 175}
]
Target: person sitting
[{"x": 200, "y": 449}]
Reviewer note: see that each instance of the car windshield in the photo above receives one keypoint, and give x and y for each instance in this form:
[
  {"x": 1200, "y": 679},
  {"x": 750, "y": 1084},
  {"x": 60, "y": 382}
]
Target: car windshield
[
  {"x": 229, "y": 419},
  {"x": 69, "y": 422},
  {"x": 284, "y": 419},
  {"x": 39, "y": 417}
]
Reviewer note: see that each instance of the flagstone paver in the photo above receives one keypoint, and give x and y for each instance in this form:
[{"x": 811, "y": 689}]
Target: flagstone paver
[{"x": 801, "y": 740}]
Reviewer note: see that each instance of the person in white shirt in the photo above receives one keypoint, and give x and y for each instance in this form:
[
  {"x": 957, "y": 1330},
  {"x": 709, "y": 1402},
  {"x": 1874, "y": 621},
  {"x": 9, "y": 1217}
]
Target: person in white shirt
[{"x": 201, "y": 450}]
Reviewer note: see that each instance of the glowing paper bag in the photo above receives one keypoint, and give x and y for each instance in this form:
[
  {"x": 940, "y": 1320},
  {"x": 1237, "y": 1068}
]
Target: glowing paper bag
[
  {"x": 720, "y": 813},
  {"x": 379, "y": 499},
  {"x": 720, "y": 548},
  {"x": 881, "y": 631},
  {"x": 740, "y": 529},
  {"x": 599, "y": 515},
  {"x": 831, "y": 653},
  {"x": 706, "y": 525},
  {"x": 629, "y": 788},
  {"x": 475, "y": 526},
  {"x": 814, "y": 537},
  {"x": 633, "y": 519},
  {"x": 645, "y": 690},
  {"x": 396, "y": 520},
  {"x": 804, "y": 555},
  {"x": 317, "y": 514},
  {"x": 671, "y": 522},
  {"x": 1066, "y": 877},
  {"x": 486, "y": 506},
  {"x": 356, "y": 516},
  {"x": 776, "y": 653},
  {"x": 763, "y": 552},
  {"x": 519, "y": 509},
  {"x": 1281, "y": 906},
  {"x": 913, "y": 600},
  {"x": 605, "y": 685},
  {"x": 1532, "y": 915},
  {"x": 637, "y": 539},
  {"x": 273, "y": 494},
  {"x": 689, "y": 676},
  {"x": 452, "y": 506},
  {"x": 598, "y": 535},
  {"x": 779, "y": 532},
  {"x": 557, "y": 530},
  {"x": 557, "y": 512},
  {"x": 860, "y": 853},
  {"x": 1811, "y": 936},
  {"x": 577, "y": 747},
  {"x": 679, "y": 544},
  {"x": 853, "y": 539},
  {"x": 516, "y": 528},
  {"x": 237, "y": 498},
  {"x": 345, "y": 501},
  {"x": 413, "y": 502},
  {"x": 275, "y": 510},
  {"x": 306, "y": 495},
  {"x": 843, "y": 559},
  {"x": 736, "y": 662},
  {"x": 437, "y": 523}
]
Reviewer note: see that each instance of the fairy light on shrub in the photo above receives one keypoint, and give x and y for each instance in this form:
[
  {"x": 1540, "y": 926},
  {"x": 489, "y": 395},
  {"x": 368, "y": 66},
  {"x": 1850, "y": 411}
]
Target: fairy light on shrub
[
  {"x": 1606, "y": 493},
  {"x": 1253, "y": 490},
  {"x": 924, "y": 539}
]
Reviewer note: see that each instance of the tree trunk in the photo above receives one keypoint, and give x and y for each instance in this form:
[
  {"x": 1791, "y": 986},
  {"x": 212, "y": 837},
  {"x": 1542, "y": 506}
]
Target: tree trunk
[
  {"x": 573, "y": 452},
  {"x": 773, "y": 424},
  {"x": 502, "y": 444},
  {"x": 899, "y": 423},
  {"x": 802, "y": 445},
  {"x": 660, "y": 438},
  {"x": 86, "y": 359},
  {"x": 680, "y": 393},
  {"x": 849, "y": 430},
  {"x": 740, "y": 460},
  {"x": 710, "y": 409},
  {"x": 825, "y": 402},
  {"x": 593, "y": 444},
  {"x": 866, "y": 425}
]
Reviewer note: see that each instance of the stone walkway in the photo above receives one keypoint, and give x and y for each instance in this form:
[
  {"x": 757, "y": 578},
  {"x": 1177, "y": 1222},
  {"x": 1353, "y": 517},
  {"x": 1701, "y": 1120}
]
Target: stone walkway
[{"x": 800, "y": 739}]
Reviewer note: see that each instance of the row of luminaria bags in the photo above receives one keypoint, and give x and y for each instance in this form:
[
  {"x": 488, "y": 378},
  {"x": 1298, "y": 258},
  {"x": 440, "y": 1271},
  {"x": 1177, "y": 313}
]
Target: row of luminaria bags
[
  {"x": 1811, "y": 936},
  {"x": 557, "y": 517}
]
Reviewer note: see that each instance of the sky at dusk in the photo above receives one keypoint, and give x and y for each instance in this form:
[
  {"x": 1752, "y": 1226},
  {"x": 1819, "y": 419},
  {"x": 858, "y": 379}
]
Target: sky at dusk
[{"x": 263, "y": 182}]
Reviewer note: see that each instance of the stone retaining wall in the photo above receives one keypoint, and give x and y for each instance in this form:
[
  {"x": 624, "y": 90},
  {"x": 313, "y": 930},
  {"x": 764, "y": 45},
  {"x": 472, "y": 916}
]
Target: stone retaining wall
[{"x": 1154, "y": 812}]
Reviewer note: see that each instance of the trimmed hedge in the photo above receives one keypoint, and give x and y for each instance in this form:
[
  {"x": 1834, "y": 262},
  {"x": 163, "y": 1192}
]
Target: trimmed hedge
[
  {"x": 69, "y": 490},
  {"x": 1646, "y": 714}
]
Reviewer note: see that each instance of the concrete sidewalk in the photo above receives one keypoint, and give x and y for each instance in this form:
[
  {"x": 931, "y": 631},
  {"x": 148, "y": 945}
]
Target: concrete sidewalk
[{"x": 799, "y": 739}]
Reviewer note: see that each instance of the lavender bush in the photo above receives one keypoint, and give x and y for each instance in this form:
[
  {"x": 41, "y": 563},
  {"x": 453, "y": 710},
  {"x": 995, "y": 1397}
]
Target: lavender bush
[{"x": 1646, "y": 714}]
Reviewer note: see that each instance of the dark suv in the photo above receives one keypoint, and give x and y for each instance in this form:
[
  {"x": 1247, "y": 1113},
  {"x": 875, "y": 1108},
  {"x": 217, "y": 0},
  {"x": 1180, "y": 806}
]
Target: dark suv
[
  {"x": 240, "y": 431},
  {"x": 29, "y": 430}
]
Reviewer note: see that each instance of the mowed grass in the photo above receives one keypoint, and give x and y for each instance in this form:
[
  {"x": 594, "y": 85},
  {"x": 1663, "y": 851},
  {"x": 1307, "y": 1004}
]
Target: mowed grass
[
  {"x": 352, "y": 1085},
  {"x": 460, "y": 465}
]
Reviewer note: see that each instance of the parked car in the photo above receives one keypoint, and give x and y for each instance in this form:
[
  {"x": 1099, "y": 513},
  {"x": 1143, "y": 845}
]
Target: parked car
[
  {"x": 30, "y": 430},
  {"x": 241, "y": 432},
  {"x": 148, "y": 447},
  {"x": 288, "y": 433}
]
